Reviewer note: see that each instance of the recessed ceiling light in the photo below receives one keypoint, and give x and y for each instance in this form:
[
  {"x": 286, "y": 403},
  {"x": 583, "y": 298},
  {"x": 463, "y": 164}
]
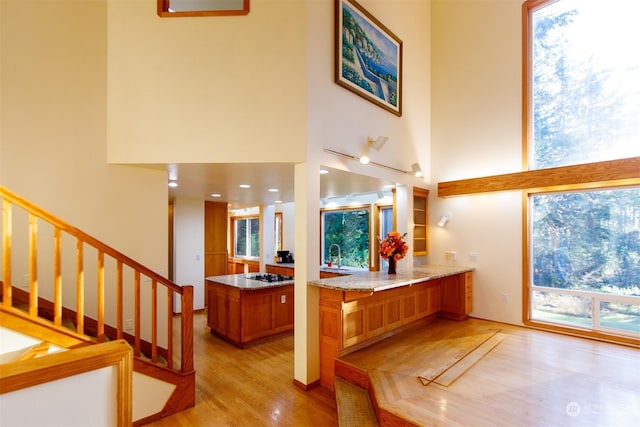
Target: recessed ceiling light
[
  {"x": 216, "y": 195},
  {"x": 273, "y": 190},
  {"x": 245, "y": 186},
  {"x": 173, "y": 184},
  {"x": 323, "y": 171},
  {"x": 278, "y": 201}
]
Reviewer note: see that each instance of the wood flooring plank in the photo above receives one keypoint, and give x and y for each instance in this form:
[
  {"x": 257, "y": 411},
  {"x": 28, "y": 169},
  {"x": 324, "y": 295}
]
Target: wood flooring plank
[{"x": 463, "y": 365}]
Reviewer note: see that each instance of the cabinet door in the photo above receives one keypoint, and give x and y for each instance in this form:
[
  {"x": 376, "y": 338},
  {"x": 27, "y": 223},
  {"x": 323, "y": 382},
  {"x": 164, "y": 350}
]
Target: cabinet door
[
  {"x": 409, "y": 305},
  {"x": 353, "y": 324},
  {"x": 215, "y": 238},
  {"x": 451, "y": 294},
  {"x": 393, "y": 312},
  {"x": 258, "y": 321}
]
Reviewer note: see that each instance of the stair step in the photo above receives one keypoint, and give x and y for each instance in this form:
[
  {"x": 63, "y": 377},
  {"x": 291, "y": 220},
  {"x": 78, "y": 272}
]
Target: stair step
[{"x": 354, "y": 406}]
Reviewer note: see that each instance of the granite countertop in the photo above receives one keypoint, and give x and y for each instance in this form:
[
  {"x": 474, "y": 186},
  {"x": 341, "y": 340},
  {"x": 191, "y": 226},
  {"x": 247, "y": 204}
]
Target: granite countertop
[
  {"x": 241, "y": 282},
  {"x": 375, "y": 281}
]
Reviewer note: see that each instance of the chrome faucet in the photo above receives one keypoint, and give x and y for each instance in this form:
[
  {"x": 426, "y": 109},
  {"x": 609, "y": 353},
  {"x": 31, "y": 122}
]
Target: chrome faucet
[{"x": 339, "y": 256}]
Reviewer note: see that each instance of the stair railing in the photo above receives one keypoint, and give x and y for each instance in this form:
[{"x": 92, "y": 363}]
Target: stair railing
[{"x": 140, "y": 272}]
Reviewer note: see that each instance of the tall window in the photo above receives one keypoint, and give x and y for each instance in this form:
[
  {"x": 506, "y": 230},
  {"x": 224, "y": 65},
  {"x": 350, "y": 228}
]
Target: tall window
[
  {"x": 386, "y": 226},
  {"x": 583, "y": 107},
  {"x": 346, "y": 232},
  {"x": 277, "y": 232},
  {"x": 246, "y": 237}
]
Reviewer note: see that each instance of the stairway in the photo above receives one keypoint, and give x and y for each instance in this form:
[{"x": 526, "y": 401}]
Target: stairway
[{"x": 102, "y": 290}]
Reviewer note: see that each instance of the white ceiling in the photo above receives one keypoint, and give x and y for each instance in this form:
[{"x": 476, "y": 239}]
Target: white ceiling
[{"x": 199, "y": 181}]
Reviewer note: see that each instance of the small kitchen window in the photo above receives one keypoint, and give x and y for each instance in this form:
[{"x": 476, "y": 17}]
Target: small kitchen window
[
  {"x": 346, "y": 236},
  {"x": 246, "y": 237}
]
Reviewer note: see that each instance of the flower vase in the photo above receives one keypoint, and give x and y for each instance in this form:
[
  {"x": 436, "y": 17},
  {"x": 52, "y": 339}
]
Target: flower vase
[{"x": 392, "y": 265}]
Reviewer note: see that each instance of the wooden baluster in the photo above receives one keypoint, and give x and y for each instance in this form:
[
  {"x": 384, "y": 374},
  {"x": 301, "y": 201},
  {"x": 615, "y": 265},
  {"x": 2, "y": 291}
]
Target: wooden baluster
[
  {"x": 33, "y": 265},
  {"x": 137, "y": 313},
  {"x": 79, "y": 287},
  {"x": 57, "y": 277},
  {"x": 169, "y": 328},
  {"x": 154, "y": 321},
  {"x": 100, "y": 331},
  {"x": 119, "y": 314},
  {"x": 186, "y": 349},
  {"x": 7, "y": 230}
]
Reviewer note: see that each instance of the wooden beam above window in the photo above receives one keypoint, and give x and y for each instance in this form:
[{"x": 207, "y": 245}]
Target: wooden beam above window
[{"x": 599, "y": 174}]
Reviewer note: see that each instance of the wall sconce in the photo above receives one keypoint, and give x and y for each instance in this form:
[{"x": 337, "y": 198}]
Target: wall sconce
[
  {"x": 415, "y": 168},
  {"x": 376, "y": 144},
  {"x": 444, "y": 219}
]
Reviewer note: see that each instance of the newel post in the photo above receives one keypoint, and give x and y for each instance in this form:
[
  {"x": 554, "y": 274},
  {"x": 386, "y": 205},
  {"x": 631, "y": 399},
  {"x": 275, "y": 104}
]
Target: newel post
[{"x": 187, "y": 329}]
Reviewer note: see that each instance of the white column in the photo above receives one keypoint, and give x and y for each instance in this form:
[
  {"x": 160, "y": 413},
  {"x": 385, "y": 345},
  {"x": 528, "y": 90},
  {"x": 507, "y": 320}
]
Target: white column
[{"x": 307, "y": 300}]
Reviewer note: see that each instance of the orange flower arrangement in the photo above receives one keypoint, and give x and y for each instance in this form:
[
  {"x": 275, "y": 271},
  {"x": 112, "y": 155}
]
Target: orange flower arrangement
[{"x": 393, "y": 246}]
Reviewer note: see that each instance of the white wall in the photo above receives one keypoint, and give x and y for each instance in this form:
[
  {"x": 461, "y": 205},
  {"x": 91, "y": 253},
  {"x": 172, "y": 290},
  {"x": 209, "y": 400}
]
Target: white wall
[
  {"x": 206, "y": 89},
  {"x": 476, "y": 105},
  {"x": 53, "y": 98},
  {"x": 88, "y": 398},
  {"x": 188, "y": 247}
]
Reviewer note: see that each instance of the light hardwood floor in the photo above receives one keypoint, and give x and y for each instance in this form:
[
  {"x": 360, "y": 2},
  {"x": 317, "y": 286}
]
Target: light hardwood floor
[
  {"x": 250, "y": 387},
  {"x": 490, "y": 374},
  {"x": 530, "y": 378}
]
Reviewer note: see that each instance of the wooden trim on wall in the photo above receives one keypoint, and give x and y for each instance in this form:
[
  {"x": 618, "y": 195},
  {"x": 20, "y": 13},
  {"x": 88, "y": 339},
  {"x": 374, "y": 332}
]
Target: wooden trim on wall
[{"x": 589, "y": 175}]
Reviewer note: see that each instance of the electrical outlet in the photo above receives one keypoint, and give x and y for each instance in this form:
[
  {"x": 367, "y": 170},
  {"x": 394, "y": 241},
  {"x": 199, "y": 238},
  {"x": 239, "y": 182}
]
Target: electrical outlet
[
  {"x": 474, "y": 256},
  {"x": 505, "y": 298},
  {"x": 450, "y": 256},
  {"x": 283, "y": 299},
  {"x": 128, "y": 325}
]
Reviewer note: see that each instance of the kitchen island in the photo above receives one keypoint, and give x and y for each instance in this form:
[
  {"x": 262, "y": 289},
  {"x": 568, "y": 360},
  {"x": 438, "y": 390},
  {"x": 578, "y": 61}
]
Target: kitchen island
[
  {"x": 359, "y": 309},
  {"x": 244, "y": 308}
]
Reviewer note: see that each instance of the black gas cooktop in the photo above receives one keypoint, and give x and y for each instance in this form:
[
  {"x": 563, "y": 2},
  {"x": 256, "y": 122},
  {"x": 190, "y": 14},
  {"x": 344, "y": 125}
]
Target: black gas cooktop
[{"x": 268, "y": 277}]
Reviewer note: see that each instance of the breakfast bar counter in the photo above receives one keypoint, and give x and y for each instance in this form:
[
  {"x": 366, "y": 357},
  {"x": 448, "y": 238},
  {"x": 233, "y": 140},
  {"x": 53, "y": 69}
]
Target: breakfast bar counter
[
  {"x": 360, "y": 309},
  {"x": 375, "y": 281}
]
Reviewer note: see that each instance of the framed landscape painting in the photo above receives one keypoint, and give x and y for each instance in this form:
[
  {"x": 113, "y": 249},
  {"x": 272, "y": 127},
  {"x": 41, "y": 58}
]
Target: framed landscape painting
[{"x": 368, "y": 57}]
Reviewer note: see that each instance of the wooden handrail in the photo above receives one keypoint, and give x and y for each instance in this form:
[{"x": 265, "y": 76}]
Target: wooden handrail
[
  {"x": 86, "y": 238},
  {"x": 35, "y": 213}
]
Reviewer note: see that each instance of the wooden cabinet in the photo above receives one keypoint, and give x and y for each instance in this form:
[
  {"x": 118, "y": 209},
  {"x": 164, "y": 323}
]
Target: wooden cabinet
[
  {"x": 329, "y": 274},
  {"x": 241, "y": 266},
  {"x": 352, "y": 320},
  {"x": 457, "y": 296},
  {"x": 215, "y": 238},
  {"x": 280, "y": 269},
  {"x": 420, "y": 221},
  {"x": 223, "y": 310},
  {"x": 242, "y": 316}
]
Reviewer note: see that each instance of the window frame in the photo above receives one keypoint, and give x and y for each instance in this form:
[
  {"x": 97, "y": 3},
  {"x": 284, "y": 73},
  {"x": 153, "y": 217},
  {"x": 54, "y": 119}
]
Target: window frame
[
  {"x": 232, "y": 230},
  {"x": 599, "y": 176},
  {"x": 367, "y": 207}
]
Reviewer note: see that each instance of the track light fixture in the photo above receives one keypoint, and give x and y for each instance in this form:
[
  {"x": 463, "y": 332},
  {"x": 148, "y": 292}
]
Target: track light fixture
[
  {"x": 415, "y": 168},
  {"x": 444, "y": 219},
  {"x": 364, "y": 158},
  {"x": 376, "y": 144}
]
